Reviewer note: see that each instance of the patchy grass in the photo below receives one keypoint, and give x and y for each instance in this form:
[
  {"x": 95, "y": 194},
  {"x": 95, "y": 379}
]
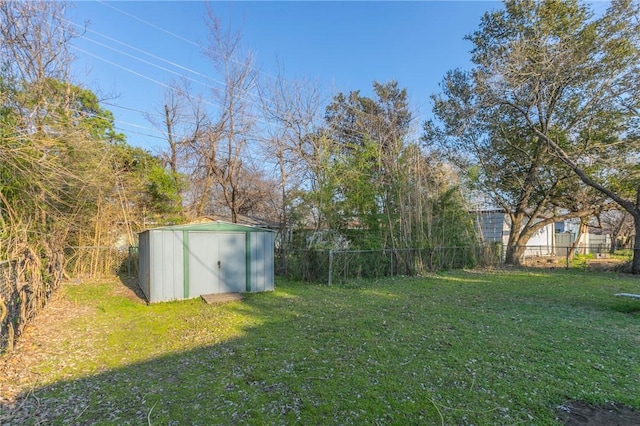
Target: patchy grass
[
  {"x": 626, "y": 254},
  {"x": 458, "y": 348}
]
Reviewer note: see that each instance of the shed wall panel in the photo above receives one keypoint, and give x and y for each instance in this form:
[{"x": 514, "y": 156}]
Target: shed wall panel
[
  {"x": 270, "y": 240},
  {"x": 233, "y": 262},
  {"x": 144, "y": 275},
  {"x": 257, "y": 262},
  {"x": 203, "y": 255},
  {"x": 167, "y": 277},
  {"x": 262, "y": 259}
]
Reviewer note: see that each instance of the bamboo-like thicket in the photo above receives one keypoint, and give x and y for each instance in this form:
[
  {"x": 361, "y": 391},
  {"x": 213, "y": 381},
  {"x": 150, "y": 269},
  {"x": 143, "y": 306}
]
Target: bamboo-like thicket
[
  {"x": 54, "y": 163},
  {"x": 67, "y": 179}
]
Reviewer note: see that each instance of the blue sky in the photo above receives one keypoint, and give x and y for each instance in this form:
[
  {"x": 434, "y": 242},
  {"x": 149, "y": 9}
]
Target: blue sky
[{"x": 343, "y": 46}]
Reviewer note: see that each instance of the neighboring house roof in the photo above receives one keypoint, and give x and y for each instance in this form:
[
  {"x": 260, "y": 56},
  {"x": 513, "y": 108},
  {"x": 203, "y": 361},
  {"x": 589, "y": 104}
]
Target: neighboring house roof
[
  {"x": 211, "y": 226},
  {"x": 485, "y": 211},
  {"x": 241, "y": 220}
]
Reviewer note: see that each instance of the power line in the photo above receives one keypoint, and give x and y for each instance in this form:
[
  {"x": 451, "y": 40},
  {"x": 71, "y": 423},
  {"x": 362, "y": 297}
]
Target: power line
[
  {"x": 138, "y": 133},
  {"x": 175, "y": 89},
  {"x": 139, "y": 74},
  {"x": 243, "y": 92},
  {"x": 122, "y": 67},
  {"x": 132, "y": 109},
  {"x": 149, "y": 23},
  {"x": 202, "y": 48},
  {"x": 150, "y": 63},
  {"x": 268, "y": 124}
]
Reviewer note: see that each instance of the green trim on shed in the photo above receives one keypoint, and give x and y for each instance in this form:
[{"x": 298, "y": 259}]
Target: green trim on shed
[
  {"x": 247, "y": 249},
  {"x": 169, "y": 251},
  {"x": 214, "y": 226},
  {"x": 185, "y": 263}
]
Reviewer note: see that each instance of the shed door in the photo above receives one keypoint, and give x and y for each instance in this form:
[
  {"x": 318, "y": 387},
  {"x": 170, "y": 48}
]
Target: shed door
[
  {"x": 232, "y": 258},
  {"x": 217, "y": 263}
]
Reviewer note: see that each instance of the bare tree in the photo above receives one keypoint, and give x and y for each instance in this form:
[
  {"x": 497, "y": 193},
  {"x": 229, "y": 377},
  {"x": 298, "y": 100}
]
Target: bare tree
[
  {"x": 620, "y": 224},
  {"x": 184, "y": 120},
  {"x": 291, "y": 109},
  {"x": 226, "y": 140}
]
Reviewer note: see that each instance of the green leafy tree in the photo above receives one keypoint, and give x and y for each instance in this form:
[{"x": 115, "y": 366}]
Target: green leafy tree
[
  {"x": 383, "y": 192},
  {"x": 572, "y": 82},
  {"x": 369, "y": 135},
  {"x": 543, "y": 72}
]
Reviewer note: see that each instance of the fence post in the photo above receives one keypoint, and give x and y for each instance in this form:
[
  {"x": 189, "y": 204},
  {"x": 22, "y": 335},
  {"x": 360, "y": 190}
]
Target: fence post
[{"x": 330, "y": 266}]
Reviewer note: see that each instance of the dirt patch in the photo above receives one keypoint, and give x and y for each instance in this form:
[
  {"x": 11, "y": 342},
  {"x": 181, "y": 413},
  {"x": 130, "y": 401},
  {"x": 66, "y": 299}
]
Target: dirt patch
[
  {"x": 607, "y": 264},
  {"x": 47, "y": 342},
  {"x": 577, "y": 413},
  {"x": 45, "y": 337}
]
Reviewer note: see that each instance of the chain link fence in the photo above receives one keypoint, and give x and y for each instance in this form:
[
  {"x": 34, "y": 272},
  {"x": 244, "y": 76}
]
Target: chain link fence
[
  {"x": 332, "y": 266},
  {"x": 95, "y": 261},
  {"x": 26, "y": 284},
  {"x": 595, "y": 257},
  {"x": 338, "y": 265}
]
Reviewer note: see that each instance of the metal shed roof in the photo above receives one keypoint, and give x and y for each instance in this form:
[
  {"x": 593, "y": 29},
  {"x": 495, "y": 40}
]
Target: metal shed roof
[{"x": 212, "y": 226}]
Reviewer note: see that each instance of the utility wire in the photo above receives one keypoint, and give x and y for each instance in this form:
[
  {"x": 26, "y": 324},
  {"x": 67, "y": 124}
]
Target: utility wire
[
  {"x": 122, "y": 67},
  {"x": 150, "y": 24},
  {"x": 263, "y": 99},
  {"x": 202, "y": 48},
  {"x": 137, "y": 58}
]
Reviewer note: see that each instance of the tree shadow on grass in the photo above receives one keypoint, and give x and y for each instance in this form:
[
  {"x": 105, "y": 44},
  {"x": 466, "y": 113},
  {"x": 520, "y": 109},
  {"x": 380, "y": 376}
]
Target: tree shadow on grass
[
  {"x": 128, "y": 276},
  {"x": 158, "y": 391},
  {"x": 308, "y": 359},
  {"x": 207, "y": 385},
  {"x": 133, "y": 288}
]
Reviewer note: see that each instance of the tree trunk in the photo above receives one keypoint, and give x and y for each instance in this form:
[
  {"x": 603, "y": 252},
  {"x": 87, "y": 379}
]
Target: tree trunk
[
  {"x": 573, "y": 250},
  {"x": 514, "y": 250},
  {"x": 514, "y": 254},
  {"x": 614, "y": 241},
  {"x": 635, "y": 263}
]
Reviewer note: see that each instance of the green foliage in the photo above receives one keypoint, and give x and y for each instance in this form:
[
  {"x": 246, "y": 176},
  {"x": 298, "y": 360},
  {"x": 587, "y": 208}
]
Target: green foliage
[
  {"x": 373, "y": 187},
  {"x": 360, "y": 196},
  {"x": 581, "y": 260},
  {"x": 78, "y": 107},
  {"x": 453, "y": 224},
  {"x": 150, "y": 186},
  {"x": 546, "y": 98},
  {"x": 162, "y": 190}
]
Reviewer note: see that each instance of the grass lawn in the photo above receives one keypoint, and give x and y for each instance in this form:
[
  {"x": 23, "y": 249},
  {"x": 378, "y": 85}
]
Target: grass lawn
[{"x": 483, "y": 348}]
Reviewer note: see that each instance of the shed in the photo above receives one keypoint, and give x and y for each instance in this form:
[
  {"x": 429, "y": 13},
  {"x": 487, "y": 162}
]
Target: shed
[{"x": 186, "y": 261}]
